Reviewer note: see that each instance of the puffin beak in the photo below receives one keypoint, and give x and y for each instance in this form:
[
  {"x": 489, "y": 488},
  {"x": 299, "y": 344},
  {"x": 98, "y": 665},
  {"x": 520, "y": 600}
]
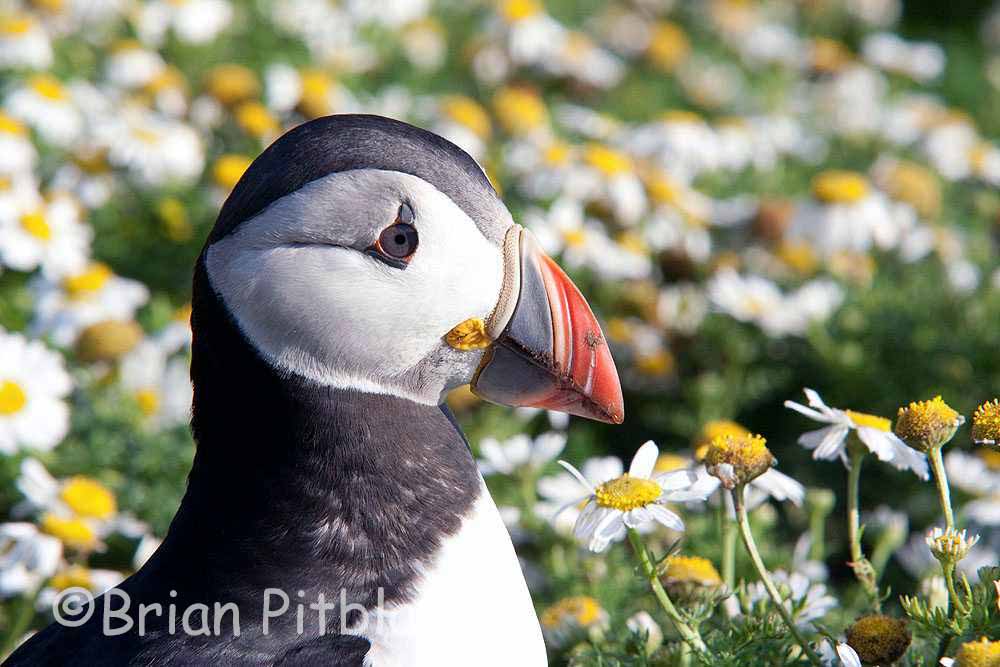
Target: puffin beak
[{"x": 548, "y": 350}]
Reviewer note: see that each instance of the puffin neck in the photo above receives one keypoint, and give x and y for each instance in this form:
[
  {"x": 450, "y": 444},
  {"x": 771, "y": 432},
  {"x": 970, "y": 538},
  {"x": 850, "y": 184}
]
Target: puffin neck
[{"x": 293, "y": 476}]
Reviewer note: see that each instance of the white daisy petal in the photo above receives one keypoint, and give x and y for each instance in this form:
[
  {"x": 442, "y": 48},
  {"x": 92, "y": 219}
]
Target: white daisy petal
[
  {"x": 579, "y": 477},
  {"x": 644, "y": 460},
  {"x": 829, "y": 448},
  {"x": 666, "y": 517}
]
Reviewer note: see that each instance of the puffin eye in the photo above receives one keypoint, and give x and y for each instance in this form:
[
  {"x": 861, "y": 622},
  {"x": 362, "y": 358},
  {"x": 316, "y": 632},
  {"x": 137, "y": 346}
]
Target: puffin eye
[{"x": 398, "y": 241}]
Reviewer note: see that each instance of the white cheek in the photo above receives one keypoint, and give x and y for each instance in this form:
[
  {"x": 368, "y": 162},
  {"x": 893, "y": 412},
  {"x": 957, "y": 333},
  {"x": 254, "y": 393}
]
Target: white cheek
[{"x": 343, "y": 318}]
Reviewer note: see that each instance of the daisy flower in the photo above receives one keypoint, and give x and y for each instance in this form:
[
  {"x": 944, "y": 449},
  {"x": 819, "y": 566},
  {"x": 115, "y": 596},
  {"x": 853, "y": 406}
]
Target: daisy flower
[
  {"x": 160, "y": 385},
  {"x": 519, "y": 452},
  {"x": 632, "y": 500},
  {"x": 872, "y": 431},
  {"x": 33, "y": 387},
  {"x": 47, "y": 106},
  {"x": 49, "y": 235},
  {"x": 561, "y": 502},
  {"x": 192, "y": 21},
  {"x": 27, "y": 558},
  {"x": 846, "y": 214},
  {"x": 571, "y": 617},
  {"x": 67, "y": 307},
  {"x": 156, "y": 150},
  {"x": 96, "y": 581},
  {"x": 23, "y": 43},
  {"x": 17, "y": 153}
]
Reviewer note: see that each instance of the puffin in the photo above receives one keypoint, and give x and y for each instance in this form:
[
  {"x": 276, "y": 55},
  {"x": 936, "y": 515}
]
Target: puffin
[{"x": 334, "y": 514}]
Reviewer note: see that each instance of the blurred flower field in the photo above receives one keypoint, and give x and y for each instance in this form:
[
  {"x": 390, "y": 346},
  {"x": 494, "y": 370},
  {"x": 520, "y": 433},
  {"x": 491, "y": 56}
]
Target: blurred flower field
[{"x": 756, "y": 197}]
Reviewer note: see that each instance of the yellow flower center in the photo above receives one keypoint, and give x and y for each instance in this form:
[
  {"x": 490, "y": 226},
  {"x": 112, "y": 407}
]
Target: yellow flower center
[
  {"x": 256, "y": 119},
  {"x": 231, "y": 83},
  {"x": 655, "y": 364},
  {"x": 146, "y": 135},
  {"x": 73, "y": 532},
  {"x": 316, "y": 87},
  {"x": 717, "y": 428},
  {"x": 16, "y": 24},
  {"x": 927, "y": 424},
  {"x": 73, "y": 576},
  {"x": 183, "y": 314},
  {"x": 229, "y": 168},
  {"x": 148, "y": 400},
  {"x": 917, "y": 186},
  {"x": 829, "y": 55},
  {"x": 174, "y": 218},
  {"x": 556, "y": 154},
  {"x": 627, "y": 493},
  {"x": 800, "y": 257},
  {"x": 681, "y": 116},
  {"x": 169, "y": 78},
  {"x": 87, "y": 283},
  {"x": 35, "y": 224},
  {"x": 574, "y": 238},
  {"x": 747, "y": 454},
  {"x": 691, "y": 570},
  {"x": 668, "y": 46},
  {"x": 669, "y": 463},
  {"x": 986, "y": 422},
  {"x": 520, "y": 110},
  {"x": 580, "y": 609},
  {"x": 840, "y": 187},
  {"x": 466, "y": 111},
  {"x": 88, "y": 497},
  {"x": 10, "y": 126},
  {"x": 869, "y": 421},
  {"x": 879, "y": 640},
  {"x": 12, "y": 398},
  {"x": 48, "y": 87},
  {"x": 662, "y": 189},
  {"x": 982, "y": 653},
  {"x": 620, "y": 329},
  {"x": 607, "y": 160},
  {"x": 518, "y": 10}
]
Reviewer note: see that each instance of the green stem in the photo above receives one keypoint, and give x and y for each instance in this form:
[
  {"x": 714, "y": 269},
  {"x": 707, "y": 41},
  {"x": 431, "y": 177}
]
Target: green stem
[
  {"x": 941, "y": 479},
  {"x": 958, "y": 606},
  {"x": 689, "y": 634},
  {"x": 728, "y": 537},
  {"x": 20, "y": 623},
  {"x": 863, "y": 569},
  {"x": 853, "y": 514},
  {"x": 817, "y": 536},
  {"x": 744, "y": 523}
]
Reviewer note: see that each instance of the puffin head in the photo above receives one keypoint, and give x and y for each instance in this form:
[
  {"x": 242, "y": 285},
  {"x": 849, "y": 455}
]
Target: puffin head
[{"x": 364, "y": 253}]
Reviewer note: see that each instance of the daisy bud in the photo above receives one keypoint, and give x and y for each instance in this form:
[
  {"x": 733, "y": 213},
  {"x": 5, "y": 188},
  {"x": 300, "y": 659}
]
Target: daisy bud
[
  {"x": 982, "y": 653},
  {"x": 571, "y": 619},
  {"x": 643, "y": 624},
  {"x": 107, "y": 341},
  {"x": 950, "y": 546},
  {"x": 927, "y": 425},
  {"x": 986, "y": 423},
  {"x": 736, "y": 460},
  {"x": 685, "y": 576},
  {"x": 714, "y": 429},
  {"x": 879, "y": 640}
]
